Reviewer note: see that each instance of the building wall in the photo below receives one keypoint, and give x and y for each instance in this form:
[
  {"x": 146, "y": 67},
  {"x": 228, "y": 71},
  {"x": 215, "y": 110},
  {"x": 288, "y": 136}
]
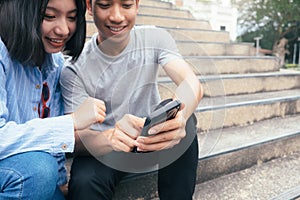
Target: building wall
[{"x": 220, "y": 13}]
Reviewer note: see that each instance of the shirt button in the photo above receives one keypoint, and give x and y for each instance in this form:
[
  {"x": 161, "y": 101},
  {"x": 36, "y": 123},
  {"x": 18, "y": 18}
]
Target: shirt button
[
  {"x": 38, "y": 86},
  {"x": 64, "y": 146},
  {"x": 34, "y": 108}
]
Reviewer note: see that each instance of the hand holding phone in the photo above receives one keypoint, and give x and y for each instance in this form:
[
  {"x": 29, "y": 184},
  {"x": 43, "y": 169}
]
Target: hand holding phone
[
  {"x": 166, "y": 110},
  {"x": 162, "y": 114}
]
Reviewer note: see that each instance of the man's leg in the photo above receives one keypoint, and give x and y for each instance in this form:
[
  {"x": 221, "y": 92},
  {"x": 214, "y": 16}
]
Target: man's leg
[
  {"x": 177, "y": 180},
  {"x": 90, "y": 179},
  {"x": 31, "y": 175}
]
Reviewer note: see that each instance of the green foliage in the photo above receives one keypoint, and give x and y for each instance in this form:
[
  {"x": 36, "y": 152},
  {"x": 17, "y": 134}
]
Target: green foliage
[
  {"x": 290, "y": 66},
  {"x": 274, "y": 19},
  {"x": 268, "y": 36}
]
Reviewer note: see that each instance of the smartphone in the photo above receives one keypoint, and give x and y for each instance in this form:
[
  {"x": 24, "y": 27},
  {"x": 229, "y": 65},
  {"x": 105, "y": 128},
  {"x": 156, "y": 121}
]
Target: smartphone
[{"x": 162, "y": 114}]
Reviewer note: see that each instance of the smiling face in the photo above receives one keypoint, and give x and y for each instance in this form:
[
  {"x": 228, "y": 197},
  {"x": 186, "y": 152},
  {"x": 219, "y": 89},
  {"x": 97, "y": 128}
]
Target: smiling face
[
  {"x": 113, "y": 18},
  {"x": 59, "y": 24}
]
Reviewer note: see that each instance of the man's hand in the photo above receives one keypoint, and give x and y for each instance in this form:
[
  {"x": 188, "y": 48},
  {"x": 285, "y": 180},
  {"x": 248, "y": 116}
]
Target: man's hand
[
  {"x": 164, "y": 135},
  {"x": 123, "y": 136}
]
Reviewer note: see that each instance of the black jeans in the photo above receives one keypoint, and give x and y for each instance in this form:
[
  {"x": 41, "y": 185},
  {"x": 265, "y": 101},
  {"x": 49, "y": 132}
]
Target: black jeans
[{"x": 90, "y": 179}]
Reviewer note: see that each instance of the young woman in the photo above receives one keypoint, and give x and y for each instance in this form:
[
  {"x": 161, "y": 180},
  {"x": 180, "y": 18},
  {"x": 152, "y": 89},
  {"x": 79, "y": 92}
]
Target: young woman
[{"x": 33, "y": 135}]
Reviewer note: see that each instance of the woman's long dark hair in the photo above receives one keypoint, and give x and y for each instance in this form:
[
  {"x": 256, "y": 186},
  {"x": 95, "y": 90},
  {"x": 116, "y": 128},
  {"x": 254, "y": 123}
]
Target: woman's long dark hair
[
  {"x": 75, "y": 45},
  {"x": 20, "y": 30}
]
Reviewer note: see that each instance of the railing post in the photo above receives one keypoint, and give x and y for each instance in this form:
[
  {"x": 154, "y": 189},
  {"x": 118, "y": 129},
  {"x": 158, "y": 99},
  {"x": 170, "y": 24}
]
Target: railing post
[
  {"x": 257, "y": 39},
  {"x": 295, "y": 53},
  {"x": 299, "y": 52}
]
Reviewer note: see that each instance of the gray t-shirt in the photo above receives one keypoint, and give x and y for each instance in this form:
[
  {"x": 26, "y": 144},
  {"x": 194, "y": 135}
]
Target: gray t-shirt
[{"x": 127, "y": 83}]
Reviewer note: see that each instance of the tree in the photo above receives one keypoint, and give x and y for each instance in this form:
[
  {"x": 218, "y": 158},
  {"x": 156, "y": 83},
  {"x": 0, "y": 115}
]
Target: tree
[{"x": 275, "y": 18}]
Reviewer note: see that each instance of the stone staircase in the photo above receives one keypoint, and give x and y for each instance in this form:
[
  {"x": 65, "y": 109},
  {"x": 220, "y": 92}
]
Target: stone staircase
[{"x": 251, "y": 110}]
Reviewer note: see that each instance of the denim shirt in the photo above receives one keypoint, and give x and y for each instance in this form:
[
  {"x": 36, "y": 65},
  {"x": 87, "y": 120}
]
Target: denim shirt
[{"x": 21, "y": 129}]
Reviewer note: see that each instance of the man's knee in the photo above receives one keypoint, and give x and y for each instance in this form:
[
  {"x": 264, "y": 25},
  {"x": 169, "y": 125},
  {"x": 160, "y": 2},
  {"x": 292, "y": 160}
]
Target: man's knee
[
  {"x": 89, "y": 171},
  {"x": 92, "y": 179},
  {"x": 191, "y": 124}
]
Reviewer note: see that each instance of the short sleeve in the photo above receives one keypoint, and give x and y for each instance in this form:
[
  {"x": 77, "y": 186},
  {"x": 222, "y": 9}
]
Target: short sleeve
[{"x": 73, "y": 90}]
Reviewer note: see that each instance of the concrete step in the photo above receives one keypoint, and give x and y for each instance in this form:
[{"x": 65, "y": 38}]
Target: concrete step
[
  {"x": 197, "y": 42},
  {"x": 290, "y": 194},
  {"x": 161, "y": 11},
  {"x": 227, "y": 151},
  {"x": 172, "y": 22},
  {"x": 242, "y": 110},
  {"x": 236, "y": 84},
  {"x": 90, "y": 29},
  {"x": 275, "y": 180},
  {"x": 182, "y": 34},
  {"x": 196, "y": 30},
  {"x": 209, "y": 65},
  {"x": 156, "y": 3},
  {"x": 198, "y": 35},
  {"x": 195, "y": 48}
]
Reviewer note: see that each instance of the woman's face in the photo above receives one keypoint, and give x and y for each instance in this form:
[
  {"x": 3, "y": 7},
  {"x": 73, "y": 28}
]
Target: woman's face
[{"x": 59, "y": 24}]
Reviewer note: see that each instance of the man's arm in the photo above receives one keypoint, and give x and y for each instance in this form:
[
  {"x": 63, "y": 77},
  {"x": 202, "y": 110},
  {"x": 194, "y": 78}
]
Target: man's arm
[{"x": 189, "y": 91}]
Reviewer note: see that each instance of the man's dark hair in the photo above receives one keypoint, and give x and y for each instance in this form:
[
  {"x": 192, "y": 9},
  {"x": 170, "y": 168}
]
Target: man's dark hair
[{"x": 20, "y": 24}]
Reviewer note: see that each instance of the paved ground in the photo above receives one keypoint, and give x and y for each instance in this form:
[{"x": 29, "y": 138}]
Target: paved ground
[{"x": 261, "y": 182}]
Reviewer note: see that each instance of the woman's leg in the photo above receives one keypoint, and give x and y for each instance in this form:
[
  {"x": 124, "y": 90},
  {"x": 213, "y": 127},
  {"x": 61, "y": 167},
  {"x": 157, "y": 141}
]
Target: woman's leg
[{"x": 31, "y": 175}]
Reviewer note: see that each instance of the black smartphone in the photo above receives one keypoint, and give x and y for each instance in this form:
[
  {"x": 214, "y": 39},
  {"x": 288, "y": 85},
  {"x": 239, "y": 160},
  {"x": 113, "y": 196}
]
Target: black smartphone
[{"x": 162, "y": 114}]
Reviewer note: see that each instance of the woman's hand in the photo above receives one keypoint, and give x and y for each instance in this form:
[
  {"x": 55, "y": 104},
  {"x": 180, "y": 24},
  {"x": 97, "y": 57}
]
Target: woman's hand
[{"x": 90, "y": 111}]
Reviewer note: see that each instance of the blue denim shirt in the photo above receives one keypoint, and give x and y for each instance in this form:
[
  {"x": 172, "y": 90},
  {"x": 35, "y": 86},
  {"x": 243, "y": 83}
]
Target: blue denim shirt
[{"x": 21, "y": 129}]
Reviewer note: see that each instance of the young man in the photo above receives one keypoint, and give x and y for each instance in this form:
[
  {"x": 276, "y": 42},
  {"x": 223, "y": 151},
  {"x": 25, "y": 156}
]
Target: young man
[{"x": 119, "y": 65}]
